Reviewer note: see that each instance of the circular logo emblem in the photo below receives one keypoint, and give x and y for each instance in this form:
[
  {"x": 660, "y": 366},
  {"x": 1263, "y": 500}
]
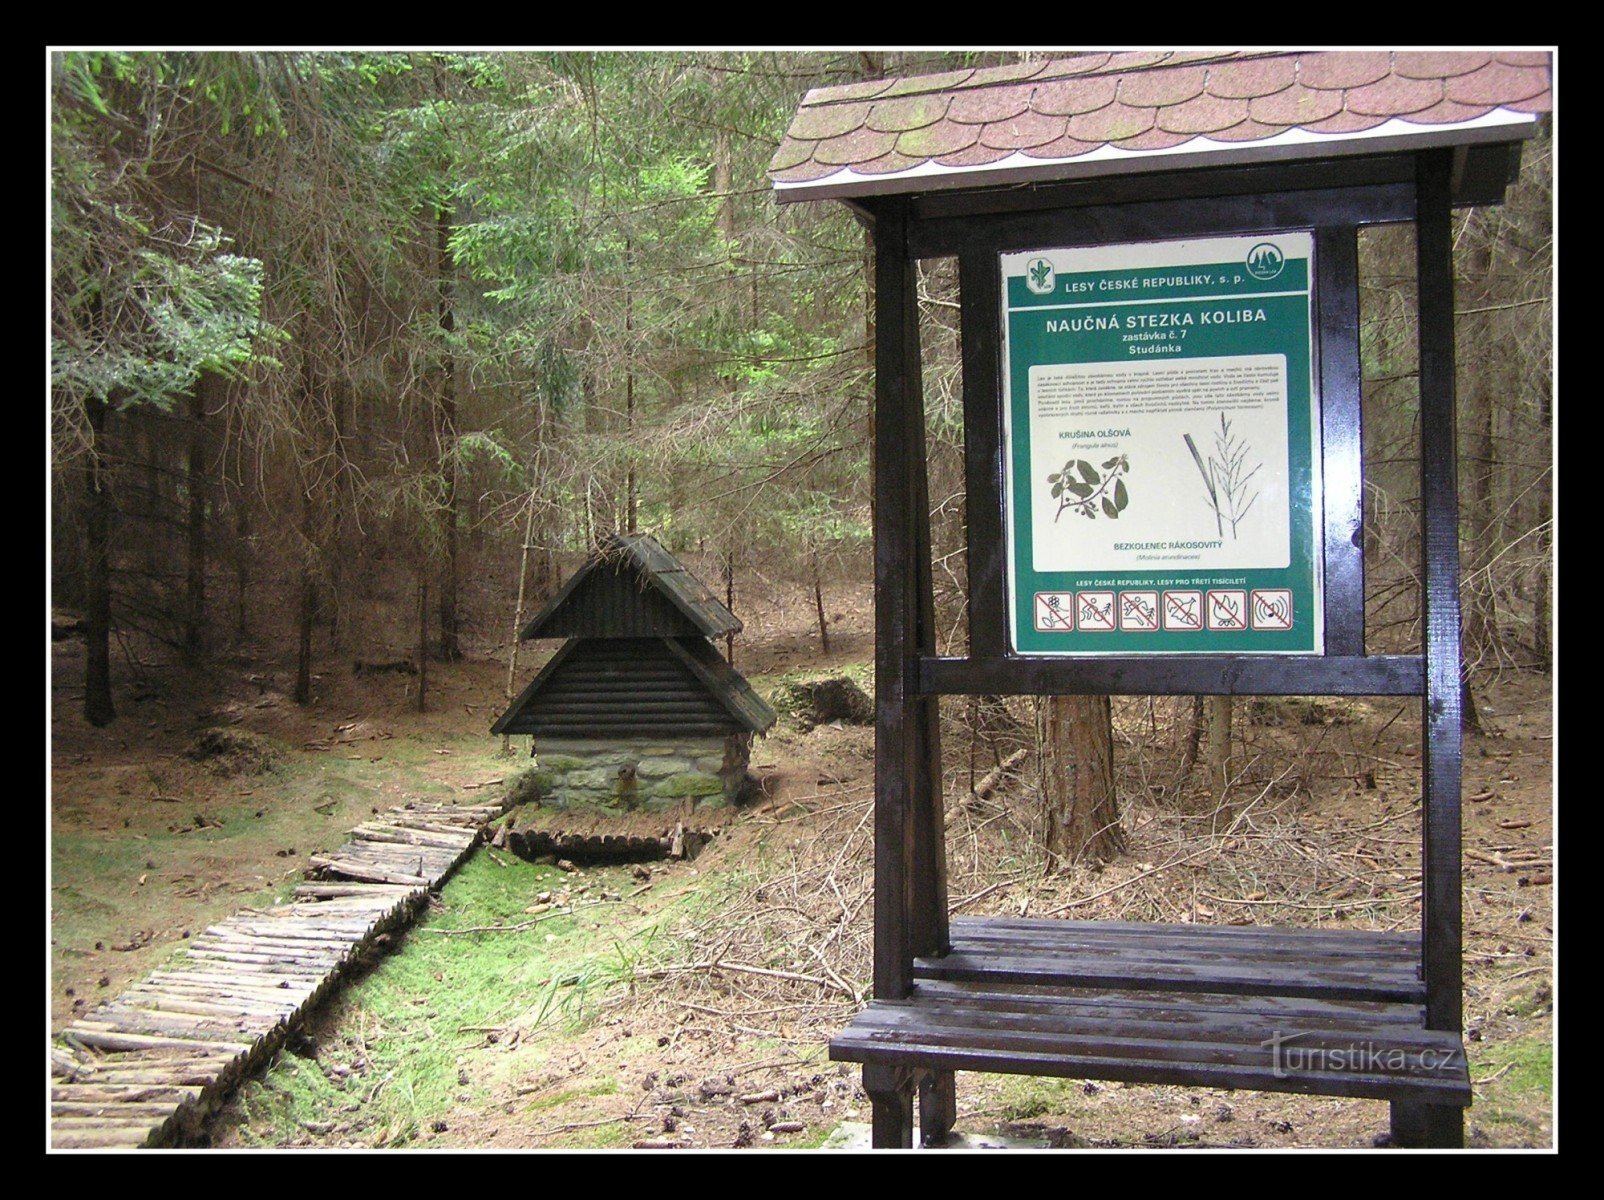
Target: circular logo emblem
[
  {"x": 1039, "y": 276},
  {"x": 1265, "y": 261}
]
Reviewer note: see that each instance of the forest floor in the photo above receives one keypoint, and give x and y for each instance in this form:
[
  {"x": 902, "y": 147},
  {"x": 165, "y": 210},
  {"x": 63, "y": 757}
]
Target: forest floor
[{"x": 689, "y": 1003}]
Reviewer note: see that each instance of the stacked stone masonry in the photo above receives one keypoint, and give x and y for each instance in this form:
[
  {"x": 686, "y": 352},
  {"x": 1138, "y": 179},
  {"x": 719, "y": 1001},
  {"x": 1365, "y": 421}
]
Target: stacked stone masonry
[{"x": 656, "y": 773}]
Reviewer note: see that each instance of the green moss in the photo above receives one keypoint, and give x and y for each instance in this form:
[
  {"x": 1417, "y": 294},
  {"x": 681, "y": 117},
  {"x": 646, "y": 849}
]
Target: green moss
[
  {"x": 560, "y": 762},
  {"x": 689, "y": 784}
]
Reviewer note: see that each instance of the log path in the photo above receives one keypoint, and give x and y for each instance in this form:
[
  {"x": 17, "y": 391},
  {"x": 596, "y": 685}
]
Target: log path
[{"x": 148, "y": 1067}]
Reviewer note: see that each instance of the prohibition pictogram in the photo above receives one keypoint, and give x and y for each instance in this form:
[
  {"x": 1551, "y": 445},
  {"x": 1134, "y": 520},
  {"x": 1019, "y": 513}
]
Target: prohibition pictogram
[
  {"x": 1055, "y": 612},
  {"x": 1094, "y": 612},
  {"x": 1138, "y": 611},
  {"x": 1272, "y": 608},
  {"x": 1183, "y": 612},
  {"x": 1227, "y": 610}
]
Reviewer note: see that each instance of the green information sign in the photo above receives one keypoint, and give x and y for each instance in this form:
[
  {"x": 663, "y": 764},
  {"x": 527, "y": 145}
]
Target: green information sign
[{"x": 1163, "y": 479}]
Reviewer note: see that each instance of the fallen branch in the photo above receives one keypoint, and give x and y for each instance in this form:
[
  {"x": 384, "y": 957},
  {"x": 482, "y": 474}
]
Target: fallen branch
[
  {"x": 1505, "y": 865},
  {"x": 1162, "y": 867},
  {"x": 573, "y": 1125},
  {"x": 982, "y": 893}
]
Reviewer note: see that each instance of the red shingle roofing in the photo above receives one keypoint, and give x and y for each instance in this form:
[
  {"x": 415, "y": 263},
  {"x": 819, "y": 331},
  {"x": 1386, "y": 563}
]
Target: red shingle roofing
[{"x": 1060, "y": 110}]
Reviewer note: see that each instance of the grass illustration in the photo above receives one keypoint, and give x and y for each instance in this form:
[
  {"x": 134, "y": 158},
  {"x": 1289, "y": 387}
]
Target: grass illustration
[{"x": 1227, "y": 477}]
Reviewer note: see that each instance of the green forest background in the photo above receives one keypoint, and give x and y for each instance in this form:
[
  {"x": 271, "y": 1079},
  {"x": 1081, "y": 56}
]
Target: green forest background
[{"x": 341, "y": 343}]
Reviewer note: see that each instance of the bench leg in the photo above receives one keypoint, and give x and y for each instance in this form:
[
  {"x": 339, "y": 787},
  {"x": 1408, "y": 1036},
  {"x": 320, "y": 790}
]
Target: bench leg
[
  {"x": 891, "y": 1095},
  {"x": 1430, "y": 1126},
  {"x": 938, "y": 1107}
]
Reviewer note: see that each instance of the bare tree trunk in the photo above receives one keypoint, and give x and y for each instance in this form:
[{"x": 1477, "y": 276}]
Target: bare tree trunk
[
  {"x": 206, "y": 388},
  {"x": 518, "y": 614},
  {"x": 98, "y": 708},
  {"x": 722, "y": 186},
  {"x": 1192, "y": 741},
  {"x": 341, "y": 406},
  {"x": 308, "y": 603},
  {"x": 631, "y": 497},
  {"x": 818, "y": 605},
  {"x": 1077, "y": 771},
  {"x": 242, "y": 561},
  {"x": 450, "y": 645},
  {"x": 869, "y": 353},
  {"x": 1541, "y": 600},
  {"x": 423, "y": 638},
  {"x": 1219, "y": 755},
  {"x": 729, "y": 603}
]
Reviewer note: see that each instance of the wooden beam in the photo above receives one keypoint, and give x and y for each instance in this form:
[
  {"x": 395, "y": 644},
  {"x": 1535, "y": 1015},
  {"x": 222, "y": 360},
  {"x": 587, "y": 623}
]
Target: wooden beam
[
  {"x": 1338, "y": 378},
  {"x": 1221, "y": 216},
  {"x": 1268, "y": 178},
  {"x": 1441, "y": 923},
  {"x": 1198, "y": 675},
  {"x": 980, "y": 288},
  {"x": 894, "y": 615}
]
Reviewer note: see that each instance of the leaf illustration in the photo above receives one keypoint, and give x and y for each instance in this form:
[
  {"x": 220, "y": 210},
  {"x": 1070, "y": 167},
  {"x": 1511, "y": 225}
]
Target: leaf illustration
[
  {"x": 1121, "y": 496},
  {"x": 1087, "y": 471},
  {"x": 1111, "y": 463},
  {"x": 1080, "y": 489},
  {"x": 1058, "y": 489},
  {"x": 1109, "y": 509}
]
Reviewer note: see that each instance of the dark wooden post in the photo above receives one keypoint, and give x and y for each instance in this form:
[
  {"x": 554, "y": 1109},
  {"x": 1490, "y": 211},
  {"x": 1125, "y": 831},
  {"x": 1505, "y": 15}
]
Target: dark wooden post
[
  {"x": 1341, "y": 463},
  {"x": 1441, "y": 920},
  {"x": 890, "y": 1091},
  {"x": 979, "y": 290},
  {"x": 910, "y": 855},
  {"x": 893, "y": 610}
]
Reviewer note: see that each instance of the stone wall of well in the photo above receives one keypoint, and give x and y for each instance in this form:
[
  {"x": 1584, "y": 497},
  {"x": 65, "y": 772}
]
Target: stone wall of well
[{"x": 641, "y": 773}]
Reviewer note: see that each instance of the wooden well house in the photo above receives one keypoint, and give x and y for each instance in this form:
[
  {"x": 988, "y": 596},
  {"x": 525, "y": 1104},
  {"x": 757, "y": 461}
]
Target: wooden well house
[
  {"x": 637, "y": 709},
  {"x": 1145, "y": 241}
]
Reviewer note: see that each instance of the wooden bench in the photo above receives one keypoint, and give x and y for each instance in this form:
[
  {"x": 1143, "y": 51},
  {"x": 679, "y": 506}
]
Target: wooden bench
[{"x": 1321, "y": 1012}]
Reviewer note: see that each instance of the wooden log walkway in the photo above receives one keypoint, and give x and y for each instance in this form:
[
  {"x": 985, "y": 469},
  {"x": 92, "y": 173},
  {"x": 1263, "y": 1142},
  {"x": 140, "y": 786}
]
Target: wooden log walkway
[{"x": 148, "y": 1067}]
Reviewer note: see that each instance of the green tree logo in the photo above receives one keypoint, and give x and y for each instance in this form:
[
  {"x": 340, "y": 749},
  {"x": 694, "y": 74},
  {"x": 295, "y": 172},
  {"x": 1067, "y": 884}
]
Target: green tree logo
[
  {"x": 1265, "y": 261},
  {"x": 1039, "y": 277}
]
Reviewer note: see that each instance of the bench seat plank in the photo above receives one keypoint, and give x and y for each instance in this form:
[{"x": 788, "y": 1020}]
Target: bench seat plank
[
  {"x": 1334, "y": 964},
  {"x": 1322, "y": 1047}
]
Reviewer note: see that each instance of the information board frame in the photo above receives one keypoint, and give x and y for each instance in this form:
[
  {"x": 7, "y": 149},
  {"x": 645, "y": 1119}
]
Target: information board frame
[{"x": 1110, "y": 356}]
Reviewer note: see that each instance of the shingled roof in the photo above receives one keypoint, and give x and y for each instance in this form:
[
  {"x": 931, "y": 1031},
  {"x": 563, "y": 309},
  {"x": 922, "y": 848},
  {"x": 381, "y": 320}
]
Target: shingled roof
[
  {"x": 1090, "y": 114},
  {"x": 632, "y": 587}
]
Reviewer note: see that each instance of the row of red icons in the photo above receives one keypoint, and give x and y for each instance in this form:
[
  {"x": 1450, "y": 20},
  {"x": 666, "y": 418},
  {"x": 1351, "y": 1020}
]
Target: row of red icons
[{"x": 1219, "y": 610}]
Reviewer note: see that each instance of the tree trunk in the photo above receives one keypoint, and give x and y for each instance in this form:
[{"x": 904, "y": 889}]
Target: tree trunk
[
  {"x": 1541, "y": 600},
  {"x": 1218, "y": 710},
  {"x": 341, "y": 407},
  {"x": 423, "y": 638},
  {"x": 818, "y": 605},
  {"x": 98, "y": 708},
  {"x": 518, "y": 614},
  {"x": 1077, "y": 779},
  {"x": 631, "y": 498},
  {"x": 307, "y": 611},
  {"x": 868, "y": 357},
  {"x": 450, "y": 645},
  {"x": 722, "y": 186},
  {"x": 208, "y": 389},
  {"x": 729, "y": 603},
  {"x": 242, "y": 561}
]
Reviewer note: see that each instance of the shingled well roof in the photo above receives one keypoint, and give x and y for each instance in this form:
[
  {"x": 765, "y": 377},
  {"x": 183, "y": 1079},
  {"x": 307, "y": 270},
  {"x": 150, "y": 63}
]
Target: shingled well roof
[
  {"x": 1099, "y": 113},
  {"x": 632, "y": 587}
]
